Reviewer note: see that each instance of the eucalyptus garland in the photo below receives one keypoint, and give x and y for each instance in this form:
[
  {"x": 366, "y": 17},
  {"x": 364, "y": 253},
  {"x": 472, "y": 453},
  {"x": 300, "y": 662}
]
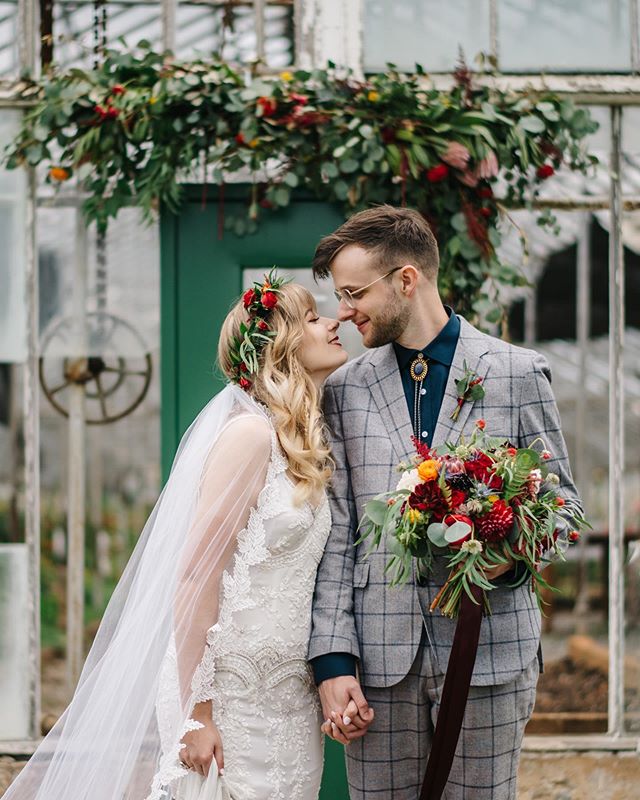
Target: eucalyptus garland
[{"x": 130, "y": 130}]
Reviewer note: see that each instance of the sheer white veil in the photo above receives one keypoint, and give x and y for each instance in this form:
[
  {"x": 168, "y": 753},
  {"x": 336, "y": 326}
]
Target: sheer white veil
[{"x": 119, "y": 739}]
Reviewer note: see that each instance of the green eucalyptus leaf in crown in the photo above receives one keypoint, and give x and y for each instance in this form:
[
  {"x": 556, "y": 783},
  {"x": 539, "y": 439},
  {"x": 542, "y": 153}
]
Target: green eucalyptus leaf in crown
[{"x": 255, "y": 333}]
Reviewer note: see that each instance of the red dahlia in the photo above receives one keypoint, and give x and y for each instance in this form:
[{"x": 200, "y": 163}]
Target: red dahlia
[
  {"x": 495, "y": 525},
  {"x": 428, "y": 497}
]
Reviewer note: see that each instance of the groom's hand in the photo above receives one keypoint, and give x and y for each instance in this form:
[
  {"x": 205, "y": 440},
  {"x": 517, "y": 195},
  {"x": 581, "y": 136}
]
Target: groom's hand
[
  {"x": 500, "y": 569},
  {"x": 346, "y": 711}
]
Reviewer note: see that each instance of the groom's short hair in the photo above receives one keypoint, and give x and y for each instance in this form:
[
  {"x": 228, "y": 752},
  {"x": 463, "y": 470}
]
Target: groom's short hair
[{"x": 390, "y": 234}]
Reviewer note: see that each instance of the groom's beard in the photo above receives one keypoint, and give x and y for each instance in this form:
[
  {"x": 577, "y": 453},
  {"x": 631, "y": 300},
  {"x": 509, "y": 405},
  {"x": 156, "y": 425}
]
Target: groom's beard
[{"x": 389, "y": 326}]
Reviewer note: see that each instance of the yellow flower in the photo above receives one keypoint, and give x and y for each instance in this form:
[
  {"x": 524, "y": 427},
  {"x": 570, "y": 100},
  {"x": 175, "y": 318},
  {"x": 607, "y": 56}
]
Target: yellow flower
[
  {"x": 254, "y": 142},
  {"x": 286, "y": 75},
  {"x": 373, "y": 96},
  {"x": 414, "y": 516},
  {"x": 493, "y": 498},
  {"x": 428, "y": 470},
  {"x": 153, "y": 100}
]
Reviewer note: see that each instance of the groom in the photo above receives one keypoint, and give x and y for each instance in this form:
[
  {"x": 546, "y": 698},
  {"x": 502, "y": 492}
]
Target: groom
[{"x": 378, "y": 655}]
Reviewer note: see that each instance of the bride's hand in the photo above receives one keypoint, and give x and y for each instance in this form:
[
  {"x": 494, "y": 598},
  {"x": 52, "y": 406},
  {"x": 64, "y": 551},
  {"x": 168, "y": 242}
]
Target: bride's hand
[{"x": 202, "y": 746}]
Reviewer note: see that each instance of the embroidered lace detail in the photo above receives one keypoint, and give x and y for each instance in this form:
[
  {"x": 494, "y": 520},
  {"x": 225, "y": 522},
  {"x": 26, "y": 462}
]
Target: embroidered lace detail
[{"x": 170, "y": 768}]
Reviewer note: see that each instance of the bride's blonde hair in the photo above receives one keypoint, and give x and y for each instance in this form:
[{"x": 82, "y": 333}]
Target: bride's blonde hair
[{"x": 285, "y": 387}]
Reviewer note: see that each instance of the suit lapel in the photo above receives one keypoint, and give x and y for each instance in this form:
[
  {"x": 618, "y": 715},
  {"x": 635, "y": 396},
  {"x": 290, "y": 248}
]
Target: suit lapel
[
  {"x": 387, "y": 391},
  {"x": 471, "y": 347}
]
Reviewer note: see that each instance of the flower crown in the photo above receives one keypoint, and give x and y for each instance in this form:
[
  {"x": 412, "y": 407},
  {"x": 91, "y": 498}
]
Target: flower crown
[{"x": 255, "y": 333}]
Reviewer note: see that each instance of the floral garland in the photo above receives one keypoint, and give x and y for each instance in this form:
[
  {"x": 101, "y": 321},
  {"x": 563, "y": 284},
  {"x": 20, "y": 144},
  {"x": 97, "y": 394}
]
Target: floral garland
[
  {"x": 131, "y": 128},
  {"x": 255, "y": 333}
]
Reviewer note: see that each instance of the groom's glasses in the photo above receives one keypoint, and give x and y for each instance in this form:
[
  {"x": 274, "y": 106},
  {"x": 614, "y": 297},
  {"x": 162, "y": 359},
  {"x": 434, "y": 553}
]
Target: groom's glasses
[{"x": 350, "y": 297}]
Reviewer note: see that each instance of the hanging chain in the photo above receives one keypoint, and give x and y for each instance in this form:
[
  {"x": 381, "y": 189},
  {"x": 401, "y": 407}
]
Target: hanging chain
[{"x": 99, "y": 50}]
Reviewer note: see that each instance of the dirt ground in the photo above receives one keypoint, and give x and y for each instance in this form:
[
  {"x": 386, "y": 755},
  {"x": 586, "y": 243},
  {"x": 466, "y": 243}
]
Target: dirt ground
[{"x": 579, "y": 776}]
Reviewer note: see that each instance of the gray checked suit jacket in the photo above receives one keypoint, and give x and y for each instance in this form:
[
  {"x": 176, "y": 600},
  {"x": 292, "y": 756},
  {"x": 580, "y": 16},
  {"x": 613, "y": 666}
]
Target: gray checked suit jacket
[{"x": 354, "y": 610}]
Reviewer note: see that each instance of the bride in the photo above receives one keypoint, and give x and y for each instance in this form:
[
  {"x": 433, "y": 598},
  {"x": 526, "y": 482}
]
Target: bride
[{"x": 197, "y": 684}]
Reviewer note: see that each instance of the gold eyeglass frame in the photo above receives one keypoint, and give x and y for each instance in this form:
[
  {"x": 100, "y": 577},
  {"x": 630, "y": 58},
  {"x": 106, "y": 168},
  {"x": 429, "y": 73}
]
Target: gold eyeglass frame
[{"x": 349, "y": 296}]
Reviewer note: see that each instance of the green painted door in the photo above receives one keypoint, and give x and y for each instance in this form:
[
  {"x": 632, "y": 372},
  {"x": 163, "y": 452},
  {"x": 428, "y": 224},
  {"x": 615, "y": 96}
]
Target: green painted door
[{"x": 201, "y": 277}]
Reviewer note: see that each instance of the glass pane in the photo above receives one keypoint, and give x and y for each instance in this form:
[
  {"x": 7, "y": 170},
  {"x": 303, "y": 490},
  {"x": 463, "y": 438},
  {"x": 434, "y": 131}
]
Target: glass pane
[
  {"x": 427, "y": 32},
  {"x": 9, "y": 67},
  {"x": 14, "y": 642},
  {"x": 122, "y": 480},
  {"x": 13, "y": 196},
  {"x": 567, "y": 36},
  {"x": 201, "y": 30}
]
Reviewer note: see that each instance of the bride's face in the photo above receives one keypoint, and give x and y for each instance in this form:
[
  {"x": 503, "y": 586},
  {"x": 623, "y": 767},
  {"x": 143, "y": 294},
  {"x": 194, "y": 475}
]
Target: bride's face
[{"x": 321, "y": 352}]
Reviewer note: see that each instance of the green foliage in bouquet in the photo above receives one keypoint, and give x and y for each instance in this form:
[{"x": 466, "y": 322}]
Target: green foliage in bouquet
[{"x": 134, "y": 127}]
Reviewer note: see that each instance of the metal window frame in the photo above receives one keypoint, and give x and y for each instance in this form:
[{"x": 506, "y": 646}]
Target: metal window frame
[{"x": 332, "y": 30}]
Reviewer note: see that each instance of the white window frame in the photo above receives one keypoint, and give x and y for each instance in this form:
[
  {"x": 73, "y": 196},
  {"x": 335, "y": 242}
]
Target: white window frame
[{"x": 332, "y": 30}]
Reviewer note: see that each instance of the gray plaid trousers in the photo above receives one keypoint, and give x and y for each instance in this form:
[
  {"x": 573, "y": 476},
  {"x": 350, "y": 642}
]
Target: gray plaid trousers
[{"x": 388, "y": 763}]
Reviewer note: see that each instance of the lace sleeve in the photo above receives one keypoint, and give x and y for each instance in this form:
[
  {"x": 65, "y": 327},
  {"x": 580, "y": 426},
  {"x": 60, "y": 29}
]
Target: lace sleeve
[{"x": 232, "y": 479}]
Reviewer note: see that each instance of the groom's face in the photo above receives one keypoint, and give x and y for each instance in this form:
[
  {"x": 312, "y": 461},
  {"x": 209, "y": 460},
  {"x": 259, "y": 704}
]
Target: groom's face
[{"x": 380, "y": 313}]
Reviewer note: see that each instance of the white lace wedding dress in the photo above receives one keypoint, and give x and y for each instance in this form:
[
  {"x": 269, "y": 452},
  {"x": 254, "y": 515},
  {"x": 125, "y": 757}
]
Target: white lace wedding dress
[{"x": 254, "y": 669}]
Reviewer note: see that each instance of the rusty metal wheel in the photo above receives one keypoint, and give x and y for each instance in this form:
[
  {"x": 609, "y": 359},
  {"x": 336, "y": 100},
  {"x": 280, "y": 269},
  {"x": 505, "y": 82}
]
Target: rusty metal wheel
[{"x": 114, "y": 384}]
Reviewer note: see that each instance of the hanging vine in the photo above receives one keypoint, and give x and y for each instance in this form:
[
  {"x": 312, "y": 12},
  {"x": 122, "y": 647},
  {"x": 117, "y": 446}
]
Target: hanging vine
[{"x": 138, "y": 124}]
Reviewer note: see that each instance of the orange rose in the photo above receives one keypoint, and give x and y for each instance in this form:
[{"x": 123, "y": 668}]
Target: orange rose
[{"x": 428, "y": 470}]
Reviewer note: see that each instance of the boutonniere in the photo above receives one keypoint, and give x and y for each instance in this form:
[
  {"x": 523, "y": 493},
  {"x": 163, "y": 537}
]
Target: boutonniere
[{"x": 468, "y": 387}]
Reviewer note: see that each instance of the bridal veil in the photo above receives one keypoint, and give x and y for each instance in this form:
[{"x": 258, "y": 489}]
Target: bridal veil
[{"x": 119, "y": 739}]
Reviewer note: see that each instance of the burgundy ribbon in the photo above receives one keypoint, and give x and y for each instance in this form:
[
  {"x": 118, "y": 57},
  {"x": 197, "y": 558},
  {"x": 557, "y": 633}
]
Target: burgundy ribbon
[{"x": 454, "y": 696}]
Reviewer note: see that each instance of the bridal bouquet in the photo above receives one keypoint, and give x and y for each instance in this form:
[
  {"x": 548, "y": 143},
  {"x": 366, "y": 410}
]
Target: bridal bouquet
[{"x": 480, "y": 503}]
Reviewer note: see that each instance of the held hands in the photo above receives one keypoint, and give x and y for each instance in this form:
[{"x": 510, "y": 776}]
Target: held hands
[
  {"x": 346, "y": 712},
  {"x": 203, "y": 745}
]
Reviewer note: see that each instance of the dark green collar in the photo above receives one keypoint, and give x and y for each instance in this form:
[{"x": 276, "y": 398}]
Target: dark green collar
[{"x": 440, "y": 349}]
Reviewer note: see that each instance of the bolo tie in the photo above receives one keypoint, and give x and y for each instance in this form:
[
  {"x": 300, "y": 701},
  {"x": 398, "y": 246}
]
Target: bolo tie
[{"x": 418, "y": 371}]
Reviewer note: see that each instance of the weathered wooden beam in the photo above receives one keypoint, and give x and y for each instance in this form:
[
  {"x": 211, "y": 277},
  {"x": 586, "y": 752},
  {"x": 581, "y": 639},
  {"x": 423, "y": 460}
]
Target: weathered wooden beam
[
  {"x": 601, "y": 90},
  {"x": 616, "y": 435}
]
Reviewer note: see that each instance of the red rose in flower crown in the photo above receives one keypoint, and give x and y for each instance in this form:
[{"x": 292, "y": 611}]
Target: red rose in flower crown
[
  {"x": 269, "y": 300},
  {"x": 249, "y": 297},
  {"x": 483, "y": 503}
]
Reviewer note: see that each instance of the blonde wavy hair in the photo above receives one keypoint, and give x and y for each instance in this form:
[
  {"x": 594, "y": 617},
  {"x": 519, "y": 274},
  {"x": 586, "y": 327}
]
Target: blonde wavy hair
[{"x": 285, "y": 387}]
